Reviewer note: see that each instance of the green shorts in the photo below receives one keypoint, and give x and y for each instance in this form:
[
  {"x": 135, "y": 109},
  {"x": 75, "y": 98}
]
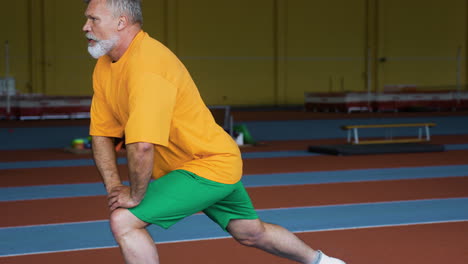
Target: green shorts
[{"x": 180, "y": 193}]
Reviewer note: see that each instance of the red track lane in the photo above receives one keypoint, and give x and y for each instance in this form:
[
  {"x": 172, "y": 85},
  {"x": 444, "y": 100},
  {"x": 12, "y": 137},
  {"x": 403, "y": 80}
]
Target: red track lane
[
  {"x": 94, "y": 208},
  {"x": 88, "y": 174},
  {"x": 414, "y": 244}
]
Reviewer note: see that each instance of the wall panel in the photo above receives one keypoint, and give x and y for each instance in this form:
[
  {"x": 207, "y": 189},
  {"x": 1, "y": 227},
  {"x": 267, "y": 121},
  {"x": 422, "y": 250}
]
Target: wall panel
[
  {"x": 15, "y": 30},
  {"x": 419, "y": 41},
  {"x": 228, "y": 47},
  {"x": 326, "y": 47},
  {"x": 68, "y": 66}
]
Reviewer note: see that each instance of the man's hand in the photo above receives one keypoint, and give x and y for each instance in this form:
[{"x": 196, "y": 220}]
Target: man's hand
[{"x": 120, "y": 197}]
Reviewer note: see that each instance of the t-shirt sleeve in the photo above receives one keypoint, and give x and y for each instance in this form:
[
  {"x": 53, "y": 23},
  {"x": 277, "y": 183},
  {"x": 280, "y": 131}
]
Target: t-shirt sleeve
[
  {"x": 151, "y": 104},
  {"x": 103, "y": 122}
]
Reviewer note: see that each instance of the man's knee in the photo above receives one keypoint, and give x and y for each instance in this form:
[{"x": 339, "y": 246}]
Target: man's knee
[
  {"x": 247, "y": 232},
  {"x": 117, "y": 221},
  {"x": 123, "y": 221}
]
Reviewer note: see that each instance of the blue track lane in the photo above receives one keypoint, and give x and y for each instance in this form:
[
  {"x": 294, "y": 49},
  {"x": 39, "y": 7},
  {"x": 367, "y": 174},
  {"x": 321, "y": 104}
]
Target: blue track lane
[
  {"x": 253, "y": 180},
  {"x": 248, "y": 155},
  {"x": 90, "y": 235}
]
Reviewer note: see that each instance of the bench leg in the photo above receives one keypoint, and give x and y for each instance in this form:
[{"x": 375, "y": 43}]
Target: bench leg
[
  {"x": 428, "y": 136},
  {"x": 356, "y": 136}
]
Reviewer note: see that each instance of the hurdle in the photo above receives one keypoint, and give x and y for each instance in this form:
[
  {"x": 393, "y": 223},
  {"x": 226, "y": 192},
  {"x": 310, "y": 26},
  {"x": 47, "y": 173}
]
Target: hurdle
[{"x": 423, "y": 135}]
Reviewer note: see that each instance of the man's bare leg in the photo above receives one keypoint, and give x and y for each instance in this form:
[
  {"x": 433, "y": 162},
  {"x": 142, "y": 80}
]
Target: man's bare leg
[
  {"x": 271, "y": 238},
  {"x": 136, "y": 244}
]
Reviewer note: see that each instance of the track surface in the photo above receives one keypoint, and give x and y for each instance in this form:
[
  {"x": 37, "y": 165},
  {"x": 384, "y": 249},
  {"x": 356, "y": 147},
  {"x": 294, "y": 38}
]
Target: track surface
[{"x": 411, "y": 236}]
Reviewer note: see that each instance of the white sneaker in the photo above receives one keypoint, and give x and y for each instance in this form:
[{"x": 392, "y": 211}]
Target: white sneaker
[{"x": 324, "y": 259}]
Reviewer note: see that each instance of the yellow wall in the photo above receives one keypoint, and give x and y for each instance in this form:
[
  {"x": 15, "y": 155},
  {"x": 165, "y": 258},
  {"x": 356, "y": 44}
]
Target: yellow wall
[
  {"x": 420, "y": 40},
  {"x": 15, "y": 30},
  {"x": 325, "y": 47},
  {"x": 228, "y": 47},
  {"x": 261, "y": 52},
  {"x": 67, "y": 68}
]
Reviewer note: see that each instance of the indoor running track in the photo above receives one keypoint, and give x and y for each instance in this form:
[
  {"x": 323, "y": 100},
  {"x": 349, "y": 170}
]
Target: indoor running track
[{"x": 376, "y": 209}]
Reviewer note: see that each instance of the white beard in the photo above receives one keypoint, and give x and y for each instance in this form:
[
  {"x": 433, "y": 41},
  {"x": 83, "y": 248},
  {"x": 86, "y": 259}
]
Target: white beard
[{"x": 101, "y": 47}]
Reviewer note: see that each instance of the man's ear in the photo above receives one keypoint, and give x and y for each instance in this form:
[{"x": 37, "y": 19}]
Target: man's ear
[{"x": 123, "y": 22}]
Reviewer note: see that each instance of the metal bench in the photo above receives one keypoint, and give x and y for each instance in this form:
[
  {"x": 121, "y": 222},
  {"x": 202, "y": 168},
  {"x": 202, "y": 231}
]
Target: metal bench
[{"x": 423, "y": 135}]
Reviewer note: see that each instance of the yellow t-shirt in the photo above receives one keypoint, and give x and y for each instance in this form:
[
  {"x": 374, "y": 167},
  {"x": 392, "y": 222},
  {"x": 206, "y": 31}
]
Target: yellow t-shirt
[{"x": 149, "y": 96}]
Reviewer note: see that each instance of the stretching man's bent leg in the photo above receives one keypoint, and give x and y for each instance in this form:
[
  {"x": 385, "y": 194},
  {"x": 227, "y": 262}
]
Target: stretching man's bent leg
[{"x": 136, "y": 244}]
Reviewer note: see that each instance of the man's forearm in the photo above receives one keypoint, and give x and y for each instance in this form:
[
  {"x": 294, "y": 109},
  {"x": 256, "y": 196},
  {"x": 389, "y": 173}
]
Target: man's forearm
[
  {"x": 105, "y": 159},
  {"x": 140, "y": 157}
]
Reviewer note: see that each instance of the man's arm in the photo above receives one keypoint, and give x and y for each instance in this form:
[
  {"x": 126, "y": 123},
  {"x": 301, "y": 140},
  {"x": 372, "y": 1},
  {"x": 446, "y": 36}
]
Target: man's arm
[
  {"x": 140, "y": 157},
  {"x": 105, "y": 159},
  {"x": 140, "y": 165}
]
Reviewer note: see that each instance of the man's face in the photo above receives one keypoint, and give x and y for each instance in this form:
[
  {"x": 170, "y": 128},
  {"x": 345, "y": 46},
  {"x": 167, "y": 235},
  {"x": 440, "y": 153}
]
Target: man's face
[{"x": 100, "y": 28}]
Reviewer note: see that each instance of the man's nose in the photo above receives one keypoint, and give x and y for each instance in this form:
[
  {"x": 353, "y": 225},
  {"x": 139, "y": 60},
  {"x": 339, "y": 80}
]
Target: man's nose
[{"x": 87, "y": 27}]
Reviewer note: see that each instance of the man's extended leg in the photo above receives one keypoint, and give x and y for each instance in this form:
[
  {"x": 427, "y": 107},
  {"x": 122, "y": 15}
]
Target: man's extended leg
[
  {"x": 276, "y": 240},
  {"x": 136, "y": 244},
  {"x": 271, "y": 238}
]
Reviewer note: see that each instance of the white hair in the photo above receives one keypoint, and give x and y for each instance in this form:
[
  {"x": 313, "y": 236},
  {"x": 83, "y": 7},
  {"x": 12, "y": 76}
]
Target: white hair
[{"x": 131, "y": 8}]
